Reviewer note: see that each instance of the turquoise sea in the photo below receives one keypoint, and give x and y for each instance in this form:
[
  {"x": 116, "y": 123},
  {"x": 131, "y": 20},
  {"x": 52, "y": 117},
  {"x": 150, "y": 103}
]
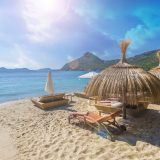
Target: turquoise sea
[{"x": 16, "y": 85}]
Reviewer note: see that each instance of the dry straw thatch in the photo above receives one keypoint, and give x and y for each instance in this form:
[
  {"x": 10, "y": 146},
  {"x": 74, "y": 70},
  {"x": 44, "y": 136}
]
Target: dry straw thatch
[
  {"x": 156, "y": 71},
  {"x": 125, "y": 81}
]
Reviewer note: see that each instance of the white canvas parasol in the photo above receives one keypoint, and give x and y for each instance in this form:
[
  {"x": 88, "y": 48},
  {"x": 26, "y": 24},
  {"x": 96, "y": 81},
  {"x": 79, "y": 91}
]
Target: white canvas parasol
[
  {"x": 49, "y": 84},
  {"x": 89, "y": 75}
]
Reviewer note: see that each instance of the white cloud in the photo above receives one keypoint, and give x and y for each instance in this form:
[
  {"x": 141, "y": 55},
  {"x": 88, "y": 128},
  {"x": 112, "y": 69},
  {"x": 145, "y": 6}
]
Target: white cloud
[
  {"x": 70, "y": 58},
  {"x": 148, "y": 28},
  {"x": 41, "y": 17},
  {"x": 139, "y": 35},
  {"x": 94, "y": 53},
  {"x": 20, "y": 59}
]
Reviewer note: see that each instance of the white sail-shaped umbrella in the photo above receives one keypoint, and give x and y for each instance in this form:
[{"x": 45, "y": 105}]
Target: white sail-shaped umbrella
[
  {"x": 89, "y": 75},
  {"x": 49, "y": 84}
]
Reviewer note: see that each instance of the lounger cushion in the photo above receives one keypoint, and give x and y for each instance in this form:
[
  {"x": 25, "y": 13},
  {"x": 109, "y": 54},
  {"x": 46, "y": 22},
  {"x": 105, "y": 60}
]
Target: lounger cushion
[
  {"x": 52, "y": 104},
  {"x": 116, "y": 104},
  {"x": 81, "y": 95},
  {"x": 114, "y": 99},
  {"x": 51, "y": 98}
]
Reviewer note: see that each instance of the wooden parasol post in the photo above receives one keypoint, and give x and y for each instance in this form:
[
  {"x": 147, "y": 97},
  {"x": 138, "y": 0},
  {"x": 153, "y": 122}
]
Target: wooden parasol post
[
  {"x": 124, "y": 99},
  {"x": 158, "y": 56},
  {"x": 124, "y": 111},
  {"x": 123, "y": 45}
]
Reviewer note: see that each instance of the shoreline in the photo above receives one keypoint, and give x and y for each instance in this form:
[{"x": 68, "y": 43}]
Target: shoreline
[
  {"x": 13, "y": 101},
  {"x": 46, "y": 135}
]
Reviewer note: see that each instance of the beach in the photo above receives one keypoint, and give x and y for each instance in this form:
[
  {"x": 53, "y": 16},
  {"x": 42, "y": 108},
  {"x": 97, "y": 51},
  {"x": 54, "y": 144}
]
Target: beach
[{"x": 34, "y": 134}]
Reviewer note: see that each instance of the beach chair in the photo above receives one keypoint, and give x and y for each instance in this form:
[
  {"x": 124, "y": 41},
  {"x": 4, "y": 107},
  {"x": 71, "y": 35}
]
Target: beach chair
[
  {"x": 109, "y": 105},
  {"x": 51, "y": 101},
  {"x": 81, "y": 95},
  {"x": 51, "y": 98},
  {"x": 98, "y": 122}
]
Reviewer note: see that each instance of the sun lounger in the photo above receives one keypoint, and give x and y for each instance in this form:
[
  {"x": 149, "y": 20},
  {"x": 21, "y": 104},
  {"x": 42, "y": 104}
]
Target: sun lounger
[
  {"x": 98, "y": 121},
  {"x": 46, "y": 102},
  {"x": 108, "y": 106},
  {"x": 48, "y": 105},
  {"x": 81, "y": 95},
  {"x": 50, "y": 98}
]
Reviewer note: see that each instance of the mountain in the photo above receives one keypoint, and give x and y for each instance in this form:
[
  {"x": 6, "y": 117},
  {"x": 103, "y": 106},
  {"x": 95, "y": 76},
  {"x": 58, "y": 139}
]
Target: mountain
[
  {"x": 44, "y": 70},
  {"x": 146, "y": 60},
  {"x": 15, "y": 69},
  {"x": 3, "y": 69},
  {"x": 89, "y": 61}
]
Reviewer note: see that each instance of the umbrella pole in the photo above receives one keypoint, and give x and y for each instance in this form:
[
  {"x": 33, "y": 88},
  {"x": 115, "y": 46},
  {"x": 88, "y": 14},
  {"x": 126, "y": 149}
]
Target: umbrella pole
[
  {"x": 124, "y": 103},
  {"x": 124, "y": 111}
]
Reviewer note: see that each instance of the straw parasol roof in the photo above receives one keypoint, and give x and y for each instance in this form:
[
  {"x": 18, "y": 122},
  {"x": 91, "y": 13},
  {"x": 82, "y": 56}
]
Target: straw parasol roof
[
  {"x": 128, "y": 82},
  {"x": 156, "y": 71}
]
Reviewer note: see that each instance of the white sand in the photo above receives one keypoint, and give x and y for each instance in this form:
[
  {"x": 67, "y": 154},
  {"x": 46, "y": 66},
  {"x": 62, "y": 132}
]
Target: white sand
[
  {"x": 46, "y": 135},
  {"x": 7, "y": 147}
]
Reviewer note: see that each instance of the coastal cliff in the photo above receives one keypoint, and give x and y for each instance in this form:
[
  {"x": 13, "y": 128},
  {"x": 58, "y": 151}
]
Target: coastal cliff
[
  {"x": 85, "y": 63},
  {"x": 89, "y": 61}
]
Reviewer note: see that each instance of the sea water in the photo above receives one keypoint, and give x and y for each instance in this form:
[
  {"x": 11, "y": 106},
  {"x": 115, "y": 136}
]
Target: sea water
[{"x": 16, "y": 85}]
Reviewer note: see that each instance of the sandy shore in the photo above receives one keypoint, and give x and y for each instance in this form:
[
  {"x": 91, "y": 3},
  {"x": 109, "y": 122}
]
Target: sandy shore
[
  {"x": 7, "y": 148},
  {"x": 46, "y": 135}
]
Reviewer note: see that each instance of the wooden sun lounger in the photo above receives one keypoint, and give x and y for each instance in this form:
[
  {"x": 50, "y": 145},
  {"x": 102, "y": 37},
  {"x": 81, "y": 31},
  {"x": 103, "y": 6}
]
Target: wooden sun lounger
[
  {"x": 81, "y": 95},
  {"x": 48, "y": 105},
  {"x": 51, "y": 98},
  {"x": 97, "y": 121},
  {"x": 50, "y": 101},
  {"x": 105, "y": 107}
]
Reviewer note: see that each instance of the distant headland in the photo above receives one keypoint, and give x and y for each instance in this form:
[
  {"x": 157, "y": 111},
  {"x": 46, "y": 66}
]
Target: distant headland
[{"x": 91, "y": 62}]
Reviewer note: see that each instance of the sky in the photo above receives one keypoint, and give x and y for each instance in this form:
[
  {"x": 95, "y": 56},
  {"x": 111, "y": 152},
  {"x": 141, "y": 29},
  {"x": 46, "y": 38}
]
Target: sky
[{"x": 49, "y": 33}]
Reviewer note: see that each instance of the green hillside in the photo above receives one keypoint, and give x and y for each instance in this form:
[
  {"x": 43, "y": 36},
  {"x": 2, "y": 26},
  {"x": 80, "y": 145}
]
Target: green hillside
[
  {"x": 89, "y": 62},
  {"x": 146, "y": 60}
]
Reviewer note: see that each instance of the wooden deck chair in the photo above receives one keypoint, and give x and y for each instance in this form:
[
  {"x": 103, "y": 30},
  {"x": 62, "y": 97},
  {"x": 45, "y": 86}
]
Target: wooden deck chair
[
  {"x": 50, "y": 101},
  {"x": 81, "y": 95},
  {"x": 108, "y": 107},
  {"x": 48, "y": 105},
  {"x": 97, "y": 122}
]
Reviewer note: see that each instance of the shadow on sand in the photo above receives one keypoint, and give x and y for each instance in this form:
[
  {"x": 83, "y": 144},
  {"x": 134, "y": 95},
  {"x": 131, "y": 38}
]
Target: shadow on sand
[{"x": 145, "y": 129}]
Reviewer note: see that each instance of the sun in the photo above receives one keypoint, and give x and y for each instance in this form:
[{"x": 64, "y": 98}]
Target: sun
[
  {"x": 41, "y": 17},
  {"x": 44, "y": 8}
]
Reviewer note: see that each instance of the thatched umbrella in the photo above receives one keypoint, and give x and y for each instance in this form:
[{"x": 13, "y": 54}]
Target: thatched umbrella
[
  {"x": 156, "y": 71},
  {"x": 125, "y": 81}
]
